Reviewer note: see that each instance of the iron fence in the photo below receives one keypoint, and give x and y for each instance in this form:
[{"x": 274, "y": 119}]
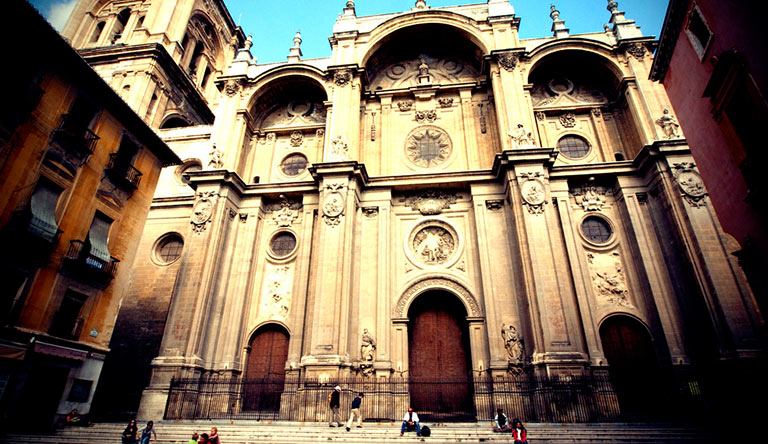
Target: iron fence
[{"x": 569, "y": 400}]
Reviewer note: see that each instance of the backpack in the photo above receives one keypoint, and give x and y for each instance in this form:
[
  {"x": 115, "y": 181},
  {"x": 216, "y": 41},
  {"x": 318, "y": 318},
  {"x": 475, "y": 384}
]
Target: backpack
[{"x": 425, "y": 431}]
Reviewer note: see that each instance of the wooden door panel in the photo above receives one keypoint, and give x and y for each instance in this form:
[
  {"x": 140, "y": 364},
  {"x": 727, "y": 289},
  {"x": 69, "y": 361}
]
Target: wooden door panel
[{"x": 265, "y": 371}]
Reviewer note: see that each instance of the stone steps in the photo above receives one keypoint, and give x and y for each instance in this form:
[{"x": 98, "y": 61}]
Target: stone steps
[{"x": 287, "y": 432}]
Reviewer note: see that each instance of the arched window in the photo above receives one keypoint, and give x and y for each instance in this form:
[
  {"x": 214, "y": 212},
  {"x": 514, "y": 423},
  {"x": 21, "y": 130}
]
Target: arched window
[
  {"x": 174, "y": 122},
  {"x": 122, "y": 20},
  {"x": 97, "y": 32}
]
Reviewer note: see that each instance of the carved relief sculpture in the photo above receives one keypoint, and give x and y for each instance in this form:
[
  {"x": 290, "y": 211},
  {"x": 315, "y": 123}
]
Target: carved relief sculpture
[
  {"x": 608, "y": 280},
  {"x": 231, "y": 88},
  {"x": 433, "y": 245},
  {"x": 483, "y": 126},
  {"x": 276, "y": 298},
  {"x": 590, "y": 196},
  {"x": 404, "y": 105},
  {"x": 339, "y": 151},
  {"x": 412, "y": 72},
  {"x": 690, "y": 184},
  {"x": 430, "y": 202},
  {"x": 561, "y": 92},
  {"x": 202, "y": 210},
  {"x": 445, "y": 102},
  {"x": 636, "y": 50},
  {"x": 285, "y": 212},
  {"x": 521, "y": 137},
  {"x": 668, "y": 124}
]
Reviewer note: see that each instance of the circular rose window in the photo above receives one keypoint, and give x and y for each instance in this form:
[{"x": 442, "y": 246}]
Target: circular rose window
[
  {"x": 428, "y": 146},
  {"x": 283, "y": 244}
]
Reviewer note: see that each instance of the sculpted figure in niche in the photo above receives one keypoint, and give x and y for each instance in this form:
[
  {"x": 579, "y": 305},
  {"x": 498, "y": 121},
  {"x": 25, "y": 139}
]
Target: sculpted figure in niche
[
  {"x": 217, "y": 158},
  {"x": 668, "y": 125},
  {"x": 513, "y": 343},
  {"x": 367, "y": 351},
  {"x": 521, "y": 138}
]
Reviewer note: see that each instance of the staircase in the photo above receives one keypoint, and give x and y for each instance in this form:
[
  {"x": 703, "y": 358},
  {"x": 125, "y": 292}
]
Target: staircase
[{"x": 249, "y": 432}]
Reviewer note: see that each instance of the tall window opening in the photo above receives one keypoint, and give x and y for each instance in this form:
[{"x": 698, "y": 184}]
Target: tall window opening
[{"x": 67, "y": 323}]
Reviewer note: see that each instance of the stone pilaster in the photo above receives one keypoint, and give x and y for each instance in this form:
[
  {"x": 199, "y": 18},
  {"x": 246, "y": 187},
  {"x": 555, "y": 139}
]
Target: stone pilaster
[{"x": 339, "y": 188}]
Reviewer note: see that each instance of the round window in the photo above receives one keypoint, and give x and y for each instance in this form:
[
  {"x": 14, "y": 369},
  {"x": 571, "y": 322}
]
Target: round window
[
  {"x": 596, "y": 229},
  {"x": 169, "y": 248},
  {"x": 294, "y": 164},
  {"x": 187, "y": 167},
  {"x": 283, "y": 244},
  {"x": 574, "y": 147}
]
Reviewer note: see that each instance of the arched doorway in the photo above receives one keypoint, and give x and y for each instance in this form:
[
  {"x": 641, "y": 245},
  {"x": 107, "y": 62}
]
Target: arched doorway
[
  {"x": 439, "y": 358},
  {"x": 632, "y": 364},
  {"x": 265, "y": 370}
]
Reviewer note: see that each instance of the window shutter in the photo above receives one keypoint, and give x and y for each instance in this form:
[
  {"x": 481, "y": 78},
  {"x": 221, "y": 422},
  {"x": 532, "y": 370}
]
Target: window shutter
[
  {"x": 97, "y": 237},
  {"x": 43, "y": 208}
]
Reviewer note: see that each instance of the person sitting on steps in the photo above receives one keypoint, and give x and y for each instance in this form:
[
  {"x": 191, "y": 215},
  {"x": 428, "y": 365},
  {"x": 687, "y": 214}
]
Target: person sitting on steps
[{"x": 410, "y": 422}]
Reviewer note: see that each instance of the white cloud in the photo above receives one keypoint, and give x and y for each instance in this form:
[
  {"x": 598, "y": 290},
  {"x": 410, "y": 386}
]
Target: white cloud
[{"x": 58, "y": 13}]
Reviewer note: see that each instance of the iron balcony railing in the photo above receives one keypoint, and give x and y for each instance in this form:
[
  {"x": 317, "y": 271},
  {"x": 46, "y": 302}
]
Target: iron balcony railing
[
  {"x": 80, "y": 259},
  {"x": 75, "y": 137},
  {"x": 122, "y": 173},
  {"x": 589, "y": 399}
]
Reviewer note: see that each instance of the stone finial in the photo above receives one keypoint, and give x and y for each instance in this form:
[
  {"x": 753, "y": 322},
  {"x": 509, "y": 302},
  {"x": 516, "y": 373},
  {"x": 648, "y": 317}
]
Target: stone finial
[
  {"x": 555, "y": 14},
  {"x": 248, "y": 42},
  {"x": 420, "y": 4},
  {"x": 613, "y": 6},
  {"x": 349, "y": 9},
  {"x": 350, "y": 4},
  {"x": 558, "y": 26},
  {"x": 623, "y": 28},
  {"x": 295, "y": 53}
]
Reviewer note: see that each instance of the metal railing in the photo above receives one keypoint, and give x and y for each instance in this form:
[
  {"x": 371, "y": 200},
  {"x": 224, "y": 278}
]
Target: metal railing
[
  {"x": 123, "y": 173},
  {"x": 79, "y": 257},
  {"x": 589, "y": 399},
  {"x": 75, "y": 137}
]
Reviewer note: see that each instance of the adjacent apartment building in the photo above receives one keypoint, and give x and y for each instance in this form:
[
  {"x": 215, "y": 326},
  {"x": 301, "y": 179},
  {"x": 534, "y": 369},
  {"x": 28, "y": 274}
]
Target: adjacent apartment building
[{"x": 78, "y": 169}]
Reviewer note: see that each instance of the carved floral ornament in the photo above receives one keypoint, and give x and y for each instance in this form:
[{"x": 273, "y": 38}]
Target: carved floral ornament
[
  {"x": 533, "y": 192},
  {"x": 202, "y": 210},
  {"x": 342, "y": 77},
  {"x": 425, "y": 116},
  {"x": 297, "y": 138},
  {"x": 690, "y": 184},
  {"x": 339, "y": 151},
  {"x": 568, "y": 120},
  {"x": 508, "y": 60},
  {"x": 231, "y": 88},
  {"x": 428, "y": 146},
  {"x": 430, "y": 202},
  {"x": 400, "y": 309},
  {"x": 636, "y": 50}
]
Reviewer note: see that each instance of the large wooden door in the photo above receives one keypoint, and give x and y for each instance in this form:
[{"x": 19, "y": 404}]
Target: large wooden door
[
  {"x": 438, "y": 357},
  {"x": 265, "y": 370},
  {"x": 632, "y": 364}
]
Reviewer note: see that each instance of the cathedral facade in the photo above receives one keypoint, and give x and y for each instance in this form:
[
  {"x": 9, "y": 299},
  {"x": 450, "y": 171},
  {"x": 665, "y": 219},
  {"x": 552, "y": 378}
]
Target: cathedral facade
[{"x": 437, "y": 200}]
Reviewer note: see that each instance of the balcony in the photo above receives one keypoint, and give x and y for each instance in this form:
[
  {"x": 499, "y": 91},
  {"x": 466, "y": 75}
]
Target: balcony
[
  {"x": 75, "y": 137},
  {"x": 123, "y": 174},
  {"x": 82, "y": 264}
]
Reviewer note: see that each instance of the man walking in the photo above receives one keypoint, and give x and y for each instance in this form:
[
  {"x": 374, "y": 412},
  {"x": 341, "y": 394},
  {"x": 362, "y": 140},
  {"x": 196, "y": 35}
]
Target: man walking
[
  {"x": 334, "y": 402},
  {"x": 355, "y": 413}
]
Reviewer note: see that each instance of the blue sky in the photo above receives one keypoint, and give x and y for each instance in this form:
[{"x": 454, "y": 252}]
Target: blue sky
[{"x": 273, "y": 23}]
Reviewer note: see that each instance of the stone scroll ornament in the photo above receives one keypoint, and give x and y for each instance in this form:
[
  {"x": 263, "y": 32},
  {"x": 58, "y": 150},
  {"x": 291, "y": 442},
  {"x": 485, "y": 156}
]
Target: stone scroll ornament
[
  {"x": 690, "y": 184},
  {"x": 533, "y": 192},
  {"x": 513, "y": 342},
  {"x": 367, "y": 353},
  {"x": 333, "y": 204},
  {"x": 202, "y": 210}
]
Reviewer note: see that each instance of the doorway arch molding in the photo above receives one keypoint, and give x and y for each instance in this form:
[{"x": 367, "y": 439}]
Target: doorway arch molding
[{"x": 436, "y": 283}]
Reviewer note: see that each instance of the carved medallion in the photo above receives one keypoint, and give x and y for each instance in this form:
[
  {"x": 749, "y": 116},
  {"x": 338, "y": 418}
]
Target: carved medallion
[
  {"x": 534, "y": 196},
  {"x": 434, "y": 243},
  {"x": 430, "y": 202},
  {"x": 333, "y": 204},
  {"x": 202, "y": 210},
  {"x": 428, "y": 146},
  {"x": 690, "y": 184}
]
